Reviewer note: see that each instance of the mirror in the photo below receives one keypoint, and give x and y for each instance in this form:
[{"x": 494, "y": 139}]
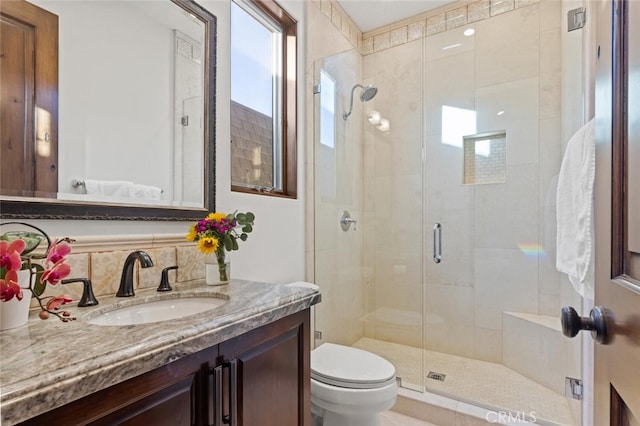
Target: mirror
[{"x": 136, "y": 108}]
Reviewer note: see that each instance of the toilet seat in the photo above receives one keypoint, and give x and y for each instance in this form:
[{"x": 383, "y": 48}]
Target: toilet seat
[{"x": 351, "y": 368}]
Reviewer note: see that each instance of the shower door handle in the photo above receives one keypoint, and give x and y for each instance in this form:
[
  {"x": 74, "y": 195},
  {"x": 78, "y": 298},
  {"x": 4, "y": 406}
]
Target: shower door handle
[{"x": 437, "y": 243}]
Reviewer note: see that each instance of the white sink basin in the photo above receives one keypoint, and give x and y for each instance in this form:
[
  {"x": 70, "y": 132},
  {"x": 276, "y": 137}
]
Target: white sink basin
[{"x": 159, "y": 310}]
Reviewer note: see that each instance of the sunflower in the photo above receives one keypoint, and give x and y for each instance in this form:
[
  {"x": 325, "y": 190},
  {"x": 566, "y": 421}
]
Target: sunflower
[
  {"x": 191, "y": 236},
  {"x": 208, "y": 245},
  {"x": 217, "y": 217}
]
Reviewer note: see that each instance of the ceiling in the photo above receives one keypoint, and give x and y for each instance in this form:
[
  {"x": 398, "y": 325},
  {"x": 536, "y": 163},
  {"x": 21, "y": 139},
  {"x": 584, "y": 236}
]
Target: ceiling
[{"x": 372, "y": 14}]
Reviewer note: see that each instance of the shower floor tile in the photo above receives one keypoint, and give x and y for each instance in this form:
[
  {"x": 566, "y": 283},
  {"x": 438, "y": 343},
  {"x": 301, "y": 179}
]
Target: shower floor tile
[{"x": 486, "y": 384}]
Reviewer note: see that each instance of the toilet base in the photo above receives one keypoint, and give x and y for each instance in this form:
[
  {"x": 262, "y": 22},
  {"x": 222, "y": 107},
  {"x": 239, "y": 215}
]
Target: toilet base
[{"x": 320, "y": 417}]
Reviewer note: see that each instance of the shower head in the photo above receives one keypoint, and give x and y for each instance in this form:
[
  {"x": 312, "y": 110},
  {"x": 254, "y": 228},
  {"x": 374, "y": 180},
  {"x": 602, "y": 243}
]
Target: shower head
[{"x": 368, "y": 92}]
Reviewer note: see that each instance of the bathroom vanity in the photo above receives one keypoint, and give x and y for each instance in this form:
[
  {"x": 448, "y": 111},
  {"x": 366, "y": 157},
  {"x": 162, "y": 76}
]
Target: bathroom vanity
[{"x": 246, "y": 362}]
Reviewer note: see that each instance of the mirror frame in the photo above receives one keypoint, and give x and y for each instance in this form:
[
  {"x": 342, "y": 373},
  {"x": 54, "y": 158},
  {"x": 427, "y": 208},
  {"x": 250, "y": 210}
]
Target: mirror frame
[{"x": 41, "y": 208}]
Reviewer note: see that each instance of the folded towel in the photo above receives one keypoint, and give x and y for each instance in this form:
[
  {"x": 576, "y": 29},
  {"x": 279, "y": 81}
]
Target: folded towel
[
  {"x": 574, "y": 210},
  {"x": 147, "y": 192},
  {"x": 111, "y": 188}
]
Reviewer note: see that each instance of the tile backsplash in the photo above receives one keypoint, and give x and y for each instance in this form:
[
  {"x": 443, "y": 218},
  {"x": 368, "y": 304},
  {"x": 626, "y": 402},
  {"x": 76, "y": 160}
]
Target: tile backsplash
[{"x": 101, "y": 259}]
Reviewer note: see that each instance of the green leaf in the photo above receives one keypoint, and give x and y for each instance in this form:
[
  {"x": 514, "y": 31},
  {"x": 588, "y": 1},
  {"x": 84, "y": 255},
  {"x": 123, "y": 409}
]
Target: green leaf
[
  {"x": 228, "y": 242},
  {"x": 244, "y": 237},
  {"x": 32, "y": 239},
  {"x": 247, "y": 228},
  {"x": 250, "y": 217},
  {"x": 235, "y": 244},
  {"x": 240, "y": 217},
  {"x": 38, "y": 287}
]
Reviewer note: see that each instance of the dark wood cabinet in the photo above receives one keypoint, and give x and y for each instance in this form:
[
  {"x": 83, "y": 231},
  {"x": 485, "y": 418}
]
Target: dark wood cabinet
[
  {"x": 269, "y": 373},
  {"x": 259, "y": 378}
]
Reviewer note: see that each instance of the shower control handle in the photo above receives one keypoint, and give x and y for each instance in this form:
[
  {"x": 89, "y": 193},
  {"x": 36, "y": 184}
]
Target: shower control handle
[
  {"x": 596, "y": 322},
  {"x": 346, "y": 220}
]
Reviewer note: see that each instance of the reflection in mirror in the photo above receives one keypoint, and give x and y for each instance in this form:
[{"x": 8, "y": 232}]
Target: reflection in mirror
[{"x": 135, "y": 86}]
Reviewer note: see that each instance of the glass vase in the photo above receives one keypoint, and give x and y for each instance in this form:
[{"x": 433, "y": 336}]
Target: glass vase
[{"x": 217, "y": 268}]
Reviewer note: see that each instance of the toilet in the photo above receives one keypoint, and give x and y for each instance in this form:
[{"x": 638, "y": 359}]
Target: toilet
[{"x": 349, "y": 386}]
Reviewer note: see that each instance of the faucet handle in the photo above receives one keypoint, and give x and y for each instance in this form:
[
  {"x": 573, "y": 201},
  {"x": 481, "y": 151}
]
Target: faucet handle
[
  {"x": 88, "y": 298},
  {"x": 164, "y": 280}
]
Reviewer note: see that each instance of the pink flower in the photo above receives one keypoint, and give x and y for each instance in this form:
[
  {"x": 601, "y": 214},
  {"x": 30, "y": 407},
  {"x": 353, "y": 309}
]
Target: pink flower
[
  {"x": 9, "y": 287},
  {"x": 58, "y": 301},
  {"x": 10, "y": 254},
  {"x": 57, "y": 251},
  {"x": 57, "y": 272}
]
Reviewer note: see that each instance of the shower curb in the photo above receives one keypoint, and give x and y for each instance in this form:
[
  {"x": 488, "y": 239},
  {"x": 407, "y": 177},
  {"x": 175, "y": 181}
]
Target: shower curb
[{"x": 444, "y": 411}]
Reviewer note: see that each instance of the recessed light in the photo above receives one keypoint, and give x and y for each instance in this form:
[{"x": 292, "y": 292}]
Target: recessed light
[
  {"x": 469, "y": 32},
  {"x": 500, "y": 112}
]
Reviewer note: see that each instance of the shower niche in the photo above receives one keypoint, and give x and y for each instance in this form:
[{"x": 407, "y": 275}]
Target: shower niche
[{"x": 485, "y": 158}]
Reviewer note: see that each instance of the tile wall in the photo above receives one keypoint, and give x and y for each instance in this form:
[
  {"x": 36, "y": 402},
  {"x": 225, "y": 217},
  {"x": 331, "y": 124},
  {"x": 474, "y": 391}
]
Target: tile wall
[
  {"x": 436, "y": 21},
  {"x": 101, "y": 259}
]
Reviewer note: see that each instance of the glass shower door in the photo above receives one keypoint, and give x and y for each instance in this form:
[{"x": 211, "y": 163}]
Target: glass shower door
[
  {"x": 371, "y": 273},
  {"x": 493, "y": 151}
]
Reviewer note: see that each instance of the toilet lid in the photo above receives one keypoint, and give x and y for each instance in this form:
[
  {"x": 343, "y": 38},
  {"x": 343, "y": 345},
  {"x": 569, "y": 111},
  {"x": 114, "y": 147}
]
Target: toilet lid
[{"x": 350, "y": 367}]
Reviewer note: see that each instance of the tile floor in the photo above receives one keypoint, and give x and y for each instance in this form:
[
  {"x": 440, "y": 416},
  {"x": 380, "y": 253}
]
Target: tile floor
[
  {"x": 391, "y": 418},
  {"x": 481, "y": 383}
]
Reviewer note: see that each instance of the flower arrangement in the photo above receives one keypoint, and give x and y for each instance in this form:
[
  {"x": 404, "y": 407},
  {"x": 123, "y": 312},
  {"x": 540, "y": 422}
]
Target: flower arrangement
[
  {"x": 46, "y": 268},
  {"x": 218, "y": 232}
]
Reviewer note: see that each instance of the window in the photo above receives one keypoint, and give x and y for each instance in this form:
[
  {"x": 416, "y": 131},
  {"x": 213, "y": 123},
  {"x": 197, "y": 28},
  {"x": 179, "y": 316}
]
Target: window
[
  {"x": 263, "y": 99},
  {"x": 326, "y": 152}
]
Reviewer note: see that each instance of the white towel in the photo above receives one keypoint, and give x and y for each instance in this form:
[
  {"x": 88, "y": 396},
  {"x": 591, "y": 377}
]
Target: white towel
[
  {"x": 110, "y": 188},
  {"x": 147, "y": 192},
  {"x": 574, "y": 209}
]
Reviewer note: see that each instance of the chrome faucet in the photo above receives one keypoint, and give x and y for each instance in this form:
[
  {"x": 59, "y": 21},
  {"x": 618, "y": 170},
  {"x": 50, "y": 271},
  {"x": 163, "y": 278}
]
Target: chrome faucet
[{"x": 126, "y": 281}]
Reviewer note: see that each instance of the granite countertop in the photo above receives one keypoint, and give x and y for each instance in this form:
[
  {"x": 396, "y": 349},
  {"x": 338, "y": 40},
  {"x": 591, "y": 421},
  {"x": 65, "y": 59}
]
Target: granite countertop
[{"x": 46, "y": 364}]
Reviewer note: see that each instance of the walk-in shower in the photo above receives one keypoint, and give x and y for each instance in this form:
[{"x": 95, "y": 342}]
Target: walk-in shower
[
  {"x": 475, "y": 151},
  {"x": 368, "y": 92}
]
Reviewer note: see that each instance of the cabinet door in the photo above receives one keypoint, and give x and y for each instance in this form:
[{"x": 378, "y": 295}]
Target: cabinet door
[
  {"x": 172, "y": 395},
  {"x": 269, "y": 374}
]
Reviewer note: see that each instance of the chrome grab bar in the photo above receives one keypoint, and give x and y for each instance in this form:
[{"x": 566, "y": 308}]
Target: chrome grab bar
[{"x": 437, "y": 242}]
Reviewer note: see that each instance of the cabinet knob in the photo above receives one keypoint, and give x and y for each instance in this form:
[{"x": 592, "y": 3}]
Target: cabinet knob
[{"x": 596, "y": 322}]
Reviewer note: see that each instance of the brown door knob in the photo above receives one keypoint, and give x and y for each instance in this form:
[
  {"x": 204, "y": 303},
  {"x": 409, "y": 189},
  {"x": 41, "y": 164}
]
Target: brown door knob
[{"x": 572, "y": 323}]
